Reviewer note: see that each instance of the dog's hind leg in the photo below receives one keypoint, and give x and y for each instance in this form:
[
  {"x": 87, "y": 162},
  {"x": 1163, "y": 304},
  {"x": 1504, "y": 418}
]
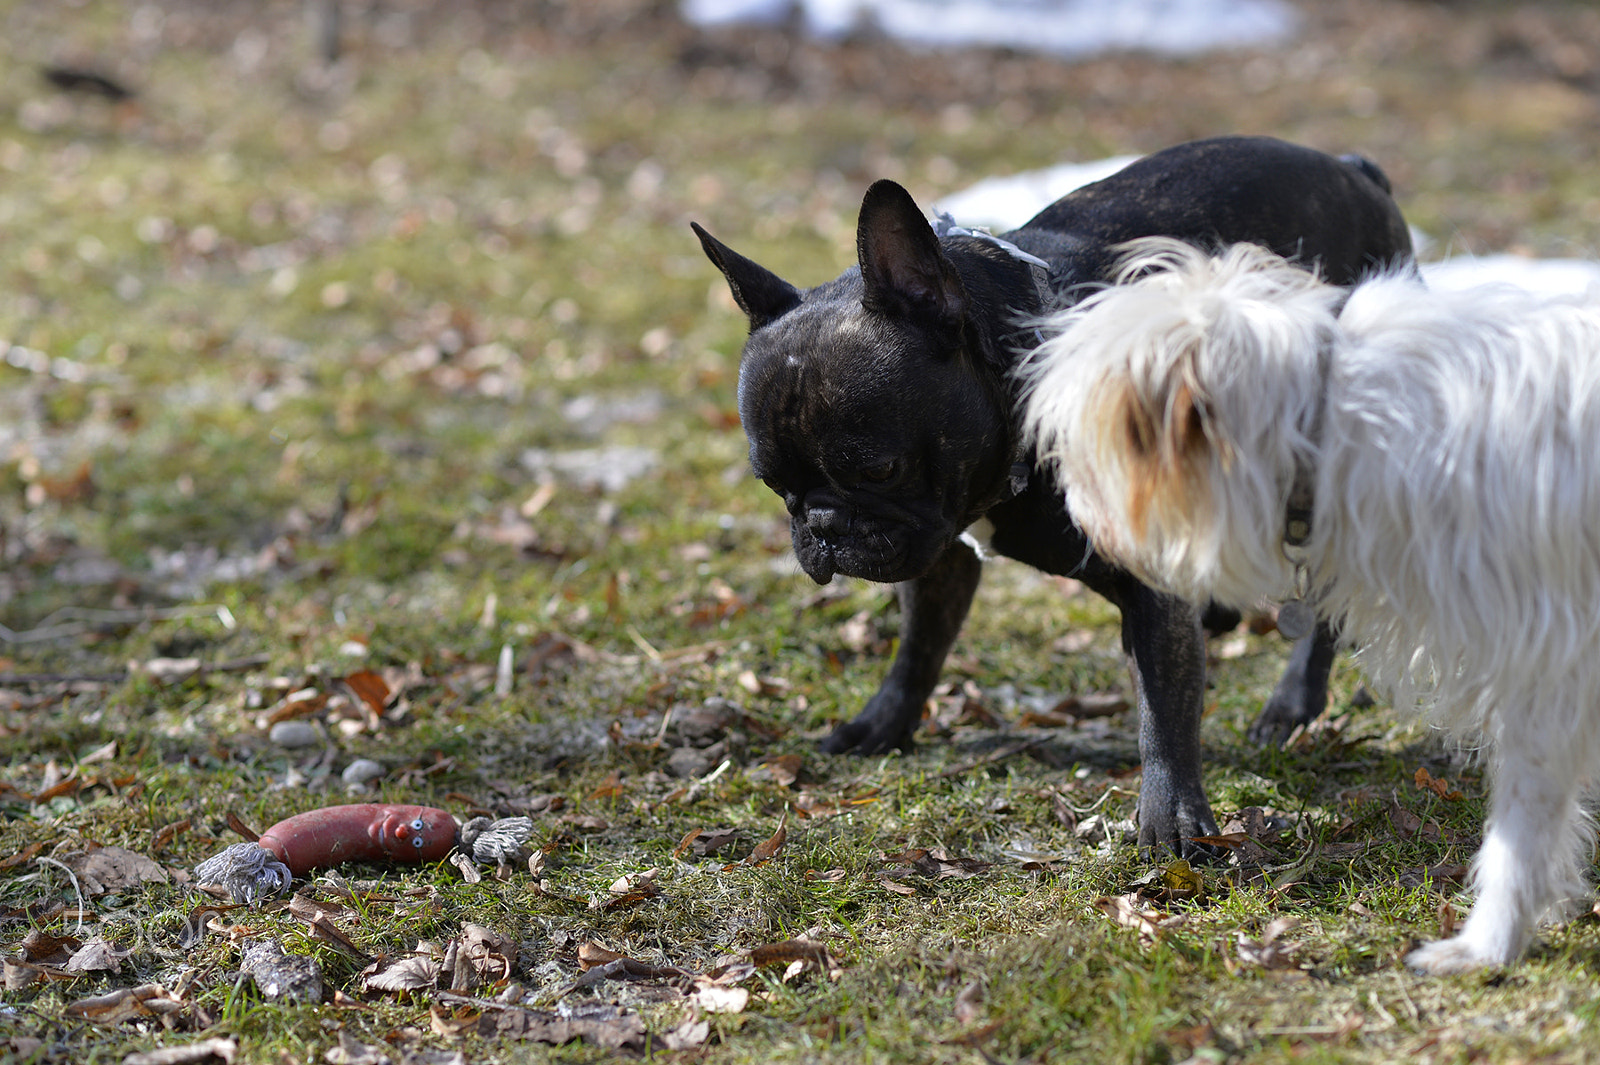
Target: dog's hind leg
[
  {"x": 1533, "y": 852},
  {"x": 1301, "y": 693}
]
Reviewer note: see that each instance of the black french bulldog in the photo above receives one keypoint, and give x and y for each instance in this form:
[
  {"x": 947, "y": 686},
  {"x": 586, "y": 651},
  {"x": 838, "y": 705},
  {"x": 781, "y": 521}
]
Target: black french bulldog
[{"x": 881, "y": 406}]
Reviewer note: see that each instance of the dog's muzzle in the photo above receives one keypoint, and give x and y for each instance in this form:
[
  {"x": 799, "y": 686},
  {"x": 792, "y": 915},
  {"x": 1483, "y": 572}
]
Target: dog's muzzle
[{"x": 830, "y": 540}]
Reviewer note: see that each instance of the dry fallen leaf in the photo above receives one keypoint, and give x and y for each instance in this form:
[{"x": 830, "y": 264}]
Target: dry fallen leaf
[
  {"x": 96, "y": 956},
  {"x": 1173, "y": 882},
  {"x": 466, "y": 865},
  {"x": 610, "y": 787},
  {"x": 478, "y": 956},
  {"x": 126, "y": 1004},
  {"x": 715, "y": 999},
  {"x": 104, "y": 753},
  {"x": 452, "y": 1024},
  {"x": 320, "y": 918},
  {"x": 937, "y": 864},
  {"x": 102, "y": 870},
  {"x": 766, "y": 850},
  {"x": 634, "y": 881},
  {"x": 1230, "y": 647},
  {"x": 487, "y": 943},
  {"x": 974, "y": 1036},
  {"x": 969, "y": 1002},
  {"x": 1408, "y": 825},
  {"x": 1426, "y": 781},
  {"x": 688, "y": 1035},
  {"x": 585, "y": 822},
  {"x": 1074, "y": 642},
  {"x": 1443, "y": 873},
  {"x": 601, "y": 1024},
  {"x": 629, "y": 896},
  {"x": 21, "y": 974},
  {"x": 1258, "y": 823},
  {"x": 203, "y": 1050},
  {"x": 756, "y": 685},
  {"x": 370, "y": 688},
  {"x": 591, "y": 954},
  {"x": 42, "y": 948},
  {"x": 350, "y": 1051},
  {"x": 167, "y": 833},
  {"x": 1192, "y": 1039},
  {"x": 26, "y": 854},
  {"x": 706, "y": 841},
  {"x": 783, "y": 769},
  {"x": 408, "y": 974},
  {"x": 624, "y": 968},
  {"x": 1267, "y": 952},
  {"x": 1087, "y": 705},
  {"x": 301, "y": 703},
  {"x": 810, "y": 804},
  {"x": 1129, "y": 911}
]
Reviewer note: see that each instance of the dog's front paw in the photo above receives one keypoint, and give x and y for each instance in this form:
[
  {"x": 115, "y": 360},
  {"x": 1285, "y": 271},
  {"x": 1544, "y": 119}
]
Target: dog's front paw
[
  {"x": 1171, "y": 828},
  {"x": 866, "y": 737},
  {"x": 885, "y": 724},
  {"x": 1458, "y": 955}
]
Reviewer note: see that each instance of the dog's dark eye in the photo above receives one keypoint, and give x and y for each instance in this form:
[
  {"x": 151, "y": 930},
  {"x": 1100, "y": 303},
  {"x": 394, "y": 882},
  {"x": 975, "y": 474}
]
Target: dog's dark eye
[{"x": 878, "y": 474}]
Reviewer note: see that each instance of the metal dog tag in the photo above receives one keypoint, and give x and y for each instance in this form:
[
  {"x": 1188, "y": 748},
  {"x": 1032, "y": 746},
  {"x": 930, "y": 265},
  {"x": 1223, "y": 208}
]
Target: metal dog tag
[{"x": 1296, "y": 619}]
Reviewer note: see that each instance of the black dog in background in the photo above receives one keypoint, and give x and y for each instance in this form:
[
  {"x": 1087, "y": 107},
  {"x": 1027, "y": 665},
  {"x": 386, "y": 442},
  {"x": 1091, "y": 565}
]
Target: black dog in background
[{"x": 881, "y": 407}]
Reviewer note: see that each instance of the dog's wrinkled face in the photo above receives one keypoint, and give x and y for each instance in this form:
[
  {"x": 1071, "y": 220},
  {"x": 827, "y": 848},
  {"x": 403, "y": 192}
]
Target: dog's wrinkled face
[
  {"x": 864, "y": 407},
  {"x": 873, "y": 437}
]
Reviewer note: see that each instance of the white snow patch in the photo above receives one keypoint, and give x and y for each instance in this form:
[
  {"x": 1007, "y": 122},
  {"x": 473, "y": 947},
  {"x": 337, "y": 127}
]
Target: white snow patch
[
  {"x": 1069, "y": 28},
  {"x": 1004, "y": 203}
]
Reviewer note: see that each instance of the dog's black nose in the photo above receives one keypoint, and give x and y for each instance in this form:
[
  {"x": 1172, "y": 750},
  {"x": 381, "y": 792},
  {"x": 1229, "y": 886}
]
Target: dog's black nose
[{"x": 826, "y": 522}]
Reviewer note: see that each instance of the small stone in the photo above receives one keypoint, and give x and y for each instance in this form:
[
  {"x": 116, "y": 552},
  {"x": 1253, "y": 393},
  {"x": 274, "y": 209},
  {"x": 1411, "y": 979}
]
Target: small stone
[
  {"x": 291, "y": 977},
  {"x": 293, "y": 734},
  {"x": 689, "y": 762},
  {"x": 362, "y": 771}
]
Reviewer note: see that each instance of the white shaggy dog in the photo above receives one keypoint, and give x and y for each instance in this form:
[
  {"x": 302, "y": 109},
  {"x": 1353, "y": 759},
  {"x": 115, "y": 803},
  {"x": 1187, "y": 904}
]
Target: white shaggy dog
[{"x": 1422, "y": 467}]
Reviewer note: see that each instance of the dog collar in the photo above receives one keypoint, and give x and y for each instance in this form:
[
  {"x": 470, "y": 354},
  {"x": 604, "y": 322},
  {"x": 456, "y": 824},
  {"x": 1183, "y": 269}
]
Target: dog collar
[
  {"x": 1297, "y": 512},
  {"x": 1296, "y": 617},
  {"x": 944, "y": 225},
  {"x": 1301, "y": 505}
]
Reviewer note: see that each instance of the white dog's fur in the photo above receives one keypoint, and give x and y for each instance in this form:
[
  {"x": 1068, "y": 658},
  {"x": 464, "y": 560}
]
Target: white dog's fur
[{"x": 1452, "y": 440}]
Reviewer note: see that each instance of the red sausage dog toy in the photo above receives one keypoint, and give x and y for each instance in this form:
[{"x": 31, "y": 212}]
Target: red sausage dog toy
[
  {"x": 317, "y": 839},
  {"x": 361, "y": 832}
]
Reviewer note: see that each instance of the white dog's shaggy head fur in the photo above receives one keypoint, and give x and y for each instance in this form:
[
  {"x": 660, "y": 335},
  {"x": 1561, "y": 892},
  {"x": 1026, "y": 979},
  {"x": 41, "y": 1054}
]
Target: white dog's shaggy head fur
[
  {"x": 1450, "y": 446},
  {"x": 1151, "y": 391}
]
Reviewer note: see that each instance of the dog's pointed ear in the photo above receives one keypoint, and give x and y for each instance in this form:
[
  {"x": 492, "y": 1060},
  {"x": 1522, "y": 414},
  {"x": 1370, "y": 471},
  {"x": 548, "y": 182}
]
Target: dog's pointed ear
[
  {"x": 905, "y": 271},
  {"x": 761, "y": 294}
]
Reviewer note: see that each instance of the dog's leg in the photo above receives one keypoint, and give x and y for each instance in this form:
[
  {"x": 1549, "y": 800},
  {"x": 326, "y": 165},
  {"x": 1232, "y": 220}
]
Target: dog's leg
[
  {"x": 1301, "y": 693},
  {"x": 1533, "y": 854},
  {"x": 1219, "y": 620},
  {"x": 932, "y": 609},
  {"x": 1162, "y": 637}
]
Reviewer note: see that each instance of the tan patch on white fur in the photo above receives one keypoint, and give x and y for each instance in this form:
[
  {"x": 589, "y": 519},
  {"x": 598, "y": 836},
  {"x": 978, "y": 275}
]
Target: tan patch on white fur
[{"x": 1167, "y": 457}]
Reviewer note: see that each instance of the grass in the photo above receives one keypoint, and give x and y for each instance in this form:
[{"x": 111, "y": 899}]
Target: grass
[{"x": 297, "y": 345}]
